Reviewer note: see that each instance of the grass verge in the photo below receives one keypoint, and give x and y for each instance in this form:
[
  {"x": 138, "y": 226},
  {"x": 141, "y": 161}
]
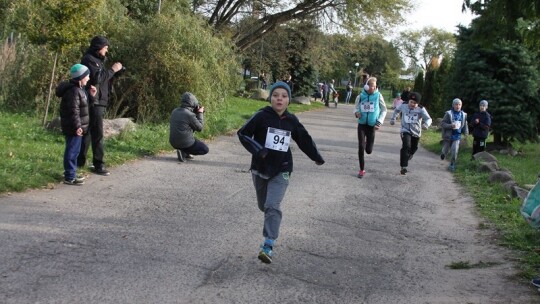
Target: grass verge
[
  {"x": 494, "y": 203},
  {"x": 32, "y": 156}
]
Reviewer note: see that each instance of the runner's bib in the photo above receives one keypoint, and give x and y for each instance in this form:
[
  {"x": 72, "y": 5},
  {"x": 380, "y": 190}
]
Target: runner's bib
[
  {"x": 368, "y": 107},
  {"x": 411, "y": 118},
  {"x": 457, "y": 124},
  {"x": 277, "y": 139}
]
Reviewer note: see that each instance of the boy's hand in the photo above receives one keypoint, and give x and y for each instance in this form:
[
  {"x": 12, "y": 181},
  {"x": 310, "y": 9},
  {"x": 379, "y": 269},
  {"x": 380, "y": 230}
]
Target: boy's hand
[
  {"x": 357, "y": 114},
  {"x": 92, "y": 90}
]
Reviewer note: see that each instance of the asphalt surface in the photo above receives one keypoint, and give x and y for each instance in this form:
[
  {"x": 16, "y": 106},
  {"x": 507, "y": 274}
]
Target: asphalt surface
[{"x": 159, "y": 231}]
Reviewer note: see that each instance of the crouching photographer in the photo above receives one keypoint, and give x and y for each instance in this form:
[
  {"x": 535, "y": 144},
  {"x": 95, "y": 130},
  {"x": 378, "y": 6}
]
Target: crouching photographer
[{"x": 185, "y": 120}]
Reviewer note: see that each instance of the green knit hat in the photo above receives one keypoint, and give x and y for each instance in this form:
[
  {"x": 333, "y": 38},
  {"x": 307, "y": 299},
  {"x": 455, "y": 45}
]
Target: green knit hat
[{"x": 78, "y": 71}]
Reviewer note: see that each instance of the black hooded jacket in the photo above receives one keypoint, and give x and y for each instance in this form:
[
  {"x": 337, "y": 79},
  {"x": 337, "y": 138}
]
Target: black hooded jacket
[
  {"x": 73, "y": 107},
  {"x": 253, "y": 137},
  {"x": 100, "y": 77}
]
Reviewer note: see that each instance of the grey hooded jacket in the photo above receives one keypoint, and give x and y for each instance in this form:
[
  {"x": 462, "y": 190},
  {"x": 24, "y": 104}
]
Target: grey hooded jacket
[
  {"x": 412, "y": 120},
  {"x": 446, "y": 125},
  {"x": 184, "y": 121}
]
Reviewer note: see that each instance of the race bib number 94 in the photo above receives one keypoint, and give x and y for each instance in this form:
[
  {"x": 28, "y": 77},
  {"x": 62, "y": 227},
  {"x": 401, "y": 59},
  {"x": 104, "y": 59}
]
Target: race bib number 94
[{"x": 277, "y": 139}]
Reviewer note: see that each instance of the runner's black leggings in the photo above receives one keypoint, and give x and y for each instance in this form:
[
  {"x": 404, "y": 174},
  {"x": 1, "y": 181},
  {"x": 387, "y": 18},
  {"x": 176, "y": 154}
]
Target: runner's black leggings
[{"x": 366, "y": 138}]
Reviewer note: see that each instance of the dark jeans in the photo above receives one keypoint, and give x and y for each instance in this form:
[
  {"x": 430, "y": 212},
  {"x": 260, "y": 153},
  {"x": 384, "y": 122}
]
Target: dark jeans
[
  {"x": 198, "y": 148},
  {"x": 94, "y": 136},
  {"x": 479, "y": 145},
  {"x": 366, "y": 139},
  {"x": 73, "y": 146},
  {"x": 408, "y": 148}
]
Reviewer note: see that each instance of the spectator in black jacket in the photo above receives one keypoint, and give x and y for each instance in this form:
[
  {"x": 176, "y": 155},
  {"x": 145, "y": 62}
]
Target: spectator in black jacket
[
  {"x": 405, "y": 95},
  {"x": 74, "y": 118},
  {"x": 100, "y": 77}
]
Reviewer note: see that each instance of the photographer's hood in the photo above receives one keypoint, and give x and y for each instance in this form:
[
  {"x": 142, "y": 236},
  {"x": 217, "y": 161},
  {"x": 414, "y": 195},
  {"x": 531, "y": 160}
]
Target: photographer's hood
[{"x": 188, "y": 100}]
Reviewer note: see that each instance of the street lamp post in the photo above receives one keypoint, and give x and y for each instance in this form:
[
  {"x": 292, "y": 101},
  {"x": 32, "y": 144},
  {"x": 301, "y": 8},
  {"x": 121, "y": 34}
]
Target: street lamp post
[{"x": 356, "y": 74}]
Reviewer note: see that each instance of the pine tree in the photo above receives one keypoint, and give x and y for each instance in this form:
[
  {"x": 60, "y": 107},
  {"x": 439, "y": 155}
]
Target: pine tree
[{"x": 505, "y": 75}]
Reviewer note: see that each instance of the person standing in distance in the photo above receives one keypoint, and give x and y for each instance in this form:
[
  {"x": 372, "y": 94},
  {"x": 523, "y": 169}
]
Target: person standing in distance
[
  {"x": 479, "y": 125},
  {"x": 100, "y": 77},
  {"x": 267, "y": 135},
  {"x": 289, "y": 82},
  {"x": 349, "y": 92},
  {"x": 370, "y": 110}
]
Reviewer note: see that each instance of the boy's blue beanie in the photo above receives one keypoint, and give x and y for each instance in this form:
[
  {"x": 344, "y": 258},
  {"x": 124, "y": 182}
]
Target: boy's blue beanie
[{"x": 283, "y": 85}]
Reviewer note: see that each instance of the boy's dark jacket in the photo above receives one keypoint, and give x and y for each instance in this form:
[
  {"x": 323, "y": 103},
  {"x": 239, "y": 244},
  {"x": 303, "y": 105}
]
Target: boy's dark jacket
[
  {"x": 253, "y": 136},
  {"x": 480, "y": 129},
  {"x": 73, "y": 107}
]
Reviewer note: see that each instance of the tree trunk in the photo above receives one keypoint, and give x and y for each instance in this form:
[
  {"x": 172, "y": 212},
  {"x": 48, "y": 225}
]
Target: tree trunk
[{"x": 50, "y": 89}]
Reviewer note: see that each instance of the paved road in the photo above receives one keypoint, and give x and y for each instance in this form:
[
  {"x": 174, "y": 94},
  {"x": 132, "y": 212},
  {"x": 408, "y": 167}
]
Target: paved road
[{"x": 157, "y": 231}]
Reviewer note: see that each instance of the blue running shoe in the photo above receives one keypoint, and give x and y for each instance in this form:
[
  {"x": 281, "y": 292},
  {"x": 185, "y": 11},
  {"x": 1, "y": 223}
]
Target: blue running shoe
[
  {"x": 536, "y": 282},
  {"x": 265, "y": 255},
  {"x": 452, "y": 167}
]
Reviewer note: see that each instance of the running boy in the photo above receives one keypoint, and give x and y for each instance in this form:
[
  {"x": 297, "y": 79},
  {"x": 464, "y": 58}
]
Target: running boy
[
  {"x": 415, "y": 117},
  {"x": 266, "y": 135},
  {"x": 454, "y": 124}
]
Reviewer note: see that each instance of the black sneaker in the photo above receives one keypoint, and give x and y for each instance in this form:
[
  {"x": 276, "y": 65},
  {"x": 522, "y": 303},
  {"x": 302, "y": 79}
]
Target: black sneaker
[
  {"x": 102, "y": 171},
  {"x": 442, "y": 156},
  {"x": 403, "y": 171},
  {"x": 74, "y": 182},
  {"x": 180, "y": 154}
]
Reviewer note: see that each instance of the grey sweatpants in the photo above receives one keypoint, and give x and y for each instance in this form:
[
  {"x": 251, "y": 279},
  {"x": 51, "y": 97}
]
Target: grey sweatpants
[
  {"x": 270, "y": 193},
  {"x": 451, "y": 146}
]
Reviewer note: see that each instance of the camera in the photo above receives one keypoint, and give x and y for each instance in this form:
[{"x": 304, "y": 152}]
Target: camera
[
  {"x": 121, "y": 71},
  {"x": 196, "y": 109}
]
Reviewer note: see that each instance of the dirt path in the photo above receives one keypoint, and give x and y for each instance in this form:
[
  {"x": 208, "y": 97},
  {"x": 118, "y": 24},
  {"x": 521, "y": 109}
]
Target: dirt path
[{"x": 157, "y": 231}]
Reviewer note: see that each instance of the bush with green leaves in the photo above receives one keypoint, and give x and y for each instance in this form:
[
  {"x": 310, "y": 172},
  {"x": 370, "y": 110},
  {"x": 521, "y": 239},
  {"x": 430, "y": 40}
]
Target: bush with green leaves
[{"x": 166, "y": 55}]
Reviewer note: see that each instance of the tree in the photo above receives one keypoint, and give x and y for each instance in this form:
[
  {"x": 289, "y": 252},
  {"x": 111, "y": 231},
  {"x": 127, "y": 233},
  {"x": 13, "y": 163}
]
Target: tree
[
  {"x": 438, "y": 103},
  {"x": 419, "y": 82},
  {"x": 55, "y": 24},
  {"x": 507, "y": 76},
  {"x": 269, "y": 14},
  {"x": 420, "y": 47},
  {"x": 514, "y": 20}
]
